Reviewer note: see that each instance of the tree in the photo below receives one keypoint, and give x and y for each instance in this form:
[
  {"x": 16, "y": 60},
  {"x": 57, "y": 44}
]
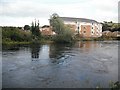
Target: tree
[
  {"x": 110, "y": 26},
  {"x": 64, "y": 33},
  {"x": 35, "y": 30},
  {"x": 15, "y": 34},
  {"x": 57, "y": 24},
  {"x": 26, "y": 27}
]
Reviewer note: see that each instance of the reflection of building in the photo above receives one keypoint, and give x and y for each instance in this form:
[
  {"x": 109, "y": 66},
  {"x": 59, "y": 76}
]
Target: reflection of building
[
  {"x": 85, "y": 27},
  {"x": 46, "y": 30},
  {"x": 87, "y": 45}
]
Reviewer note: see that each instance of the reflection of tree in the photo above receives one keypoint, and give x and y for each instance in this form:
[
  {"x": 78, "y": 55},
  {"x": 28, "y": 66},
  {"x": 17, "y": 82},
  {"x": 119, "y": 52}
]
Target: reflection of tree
[
  {"x": 35, "y": 48},
  {"x": 10, "y": 47},
  {"x": 57, "y": 51}
]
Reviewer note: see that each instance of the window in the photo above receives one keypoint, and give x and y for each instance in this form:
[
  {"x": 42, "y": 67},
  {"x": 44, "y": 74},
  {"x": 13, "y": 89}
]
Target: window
[
  {"x": 92, "y": 27},
  {"x": 92, "y": 23}
]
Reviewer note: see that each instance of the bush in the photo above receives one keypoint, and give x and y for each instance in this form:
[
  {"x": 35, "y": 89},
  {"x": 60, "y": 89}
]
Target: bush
[
  {"x": 15, "y": 34},
  {"x": 66, "y": 37}
]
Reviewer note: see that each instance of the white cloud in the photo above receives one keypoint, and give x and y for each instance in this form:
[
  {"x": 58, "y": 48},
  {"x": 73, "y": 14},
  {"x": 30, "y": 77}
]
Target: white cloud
[{"x": 20, "y": 12}]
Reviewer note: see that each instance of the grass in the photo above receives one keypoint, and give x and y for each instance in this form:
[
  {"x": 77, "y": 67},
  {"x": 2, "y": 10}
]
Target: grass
[
  {"x": 48, "y": 41},
  {"x": 96, "y": 39},
  {"x": 26, "y": 42},
  {"x": 15, "y": 42}
]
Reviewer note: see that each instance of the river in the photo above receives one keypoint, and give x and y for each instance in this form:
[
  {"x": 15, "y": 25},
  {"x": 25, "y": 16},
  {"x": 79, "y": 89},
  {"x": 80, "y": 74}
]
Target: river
[{"x": 85, "y": 64}]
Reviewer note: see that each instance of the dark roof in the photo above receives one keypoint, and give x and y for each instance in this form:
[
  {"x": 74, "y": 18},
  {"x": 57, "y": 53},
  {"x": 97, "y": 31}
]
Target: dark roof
[
  {"x": 78, "y": 19},
  {"x": 45, "y": 26}
]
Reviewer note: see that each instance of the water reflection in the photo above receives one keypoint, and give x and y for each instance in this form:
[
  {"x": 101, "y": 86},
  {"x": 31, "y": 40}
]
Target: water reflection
[
  {"x": 59, "y": 52},
  {"x": 61, "y": 66},
  {"x": 10, "y": 47},
  {"x": 35, "y": 48},
  {"x": 86, "y": 46}
]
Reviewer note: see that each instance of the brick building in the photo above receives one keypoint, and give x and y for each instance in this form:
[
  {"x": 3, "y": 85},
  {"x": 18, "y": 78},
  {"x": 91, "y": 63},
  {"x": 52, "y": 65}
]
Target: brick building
[
  {"x": 84, "y": 27},
  {"x": 46, "y": 30}
]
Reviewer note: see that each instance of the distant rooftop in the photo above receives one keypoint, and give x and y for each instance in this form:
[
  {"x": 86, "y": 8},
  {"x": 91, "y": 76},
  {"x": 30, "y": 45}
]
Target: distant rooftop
[
  {"x": 78, "y": 19},
  {"x": 45, "y": 26}
]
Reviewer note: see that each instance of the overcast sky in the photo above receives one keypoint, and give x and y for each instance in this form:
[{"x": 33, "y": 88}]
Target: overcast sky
[{"x": 21, "y": 12}]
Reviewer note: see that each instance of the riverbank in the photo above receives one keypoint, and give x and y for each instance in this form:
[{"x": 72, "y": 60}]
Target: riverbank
[
  {"x": 51, "y": 41},
  {"x": 15, "y": 42},
  {"x": 97, "y": 39},
  {"x": 26, "y": 43}
]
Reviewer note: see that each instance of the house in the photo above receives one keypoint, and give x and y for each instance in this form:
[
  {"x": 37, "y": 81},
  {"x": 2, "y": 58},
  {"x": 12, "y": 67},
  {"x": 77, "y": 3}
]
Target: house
[
  {"x": 107, "y": 33},
  {"x": 84, "y": 27},
  {"x": 111, "y": 34},
  {"x": 47, "y": 30},
  {"x": 116, "y": 34}
]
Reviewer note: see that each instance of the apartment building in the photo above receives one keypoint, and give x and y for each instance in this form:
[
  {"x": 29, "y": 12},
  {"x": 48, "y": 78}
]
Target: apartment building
[{"x": 84, "y": 27}]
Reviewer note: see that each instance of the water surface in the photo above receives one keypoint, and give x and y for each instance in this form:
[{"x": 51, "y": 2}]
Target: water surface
[{"x": 80, "y": 65}]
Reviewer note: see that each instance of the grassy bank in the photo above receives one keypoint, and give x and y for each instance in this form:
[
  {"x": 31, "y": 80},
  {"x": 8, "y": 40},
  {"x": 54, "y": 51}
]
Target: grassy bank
[
  {"x": 43, "y": 41},
  {"x": 26, "y": 43},
  {"x": 96, "y": 38},
  {"x": 15, "y": 42}
]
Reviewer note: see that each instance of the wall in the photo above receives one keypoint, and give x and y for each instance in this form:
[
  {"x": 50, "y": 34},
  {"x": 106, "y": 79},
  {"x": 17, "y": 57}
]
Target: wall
[
  {"x": 86, "y": 30},
  {"x": 47, "y": 31},
  {"x": 91, "y": 29}
]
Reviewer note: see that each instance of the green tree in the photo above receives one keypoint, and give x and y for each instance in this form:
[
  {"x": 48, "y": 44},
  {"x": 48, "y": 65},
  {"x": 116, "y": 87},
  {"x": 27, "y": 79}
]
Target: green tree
[
  {"x": 57, "y": 24},
  {"x": 63, "y": 33},
  {"x": 110, "y": 26},
  {"x": 35, "y": 30},
  {"x": 14, "y": 34}
]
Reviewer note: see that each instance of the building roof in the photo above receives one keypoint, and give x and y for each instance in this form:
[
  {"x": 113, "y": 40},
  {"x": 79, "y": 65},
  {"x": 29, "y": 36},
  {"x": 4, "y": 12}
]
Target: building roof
[
  {"x": 45, "y": 26},
  {"x": 78, "y": 19}
]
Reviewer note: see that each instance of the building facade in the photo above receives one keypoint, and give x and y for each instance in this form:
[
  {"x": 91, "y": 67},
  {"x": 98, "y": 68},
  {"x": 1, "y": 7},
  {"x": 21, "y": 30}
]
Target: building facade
[
  {"x": 47, "y": 30},
  {"x": 84, "y": 27}
]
